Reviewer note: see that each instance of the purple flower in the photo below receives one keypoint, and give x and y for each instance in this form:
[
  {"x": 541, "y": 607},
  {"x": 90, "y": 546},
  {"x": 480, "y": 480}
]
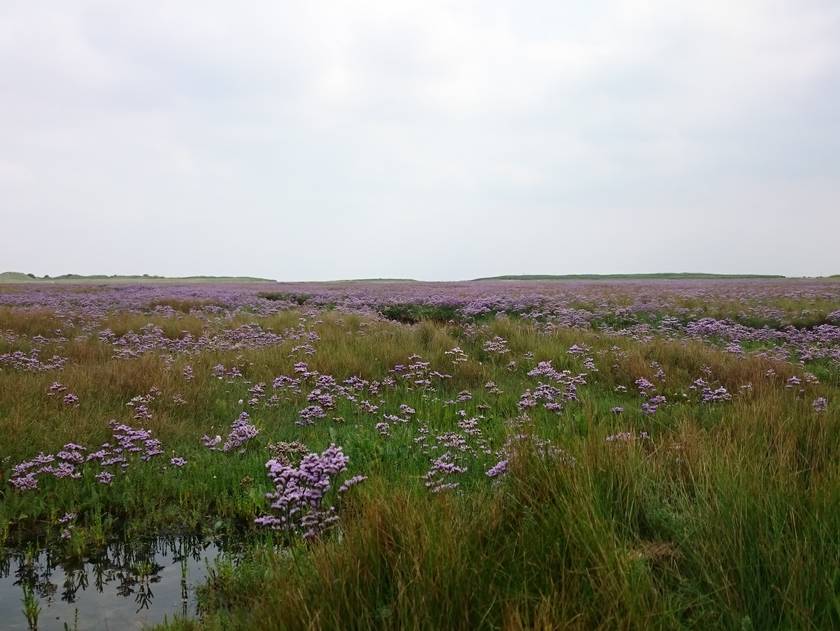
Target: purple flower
[
  {"x": 497, "y": 345},
  {"x": 142, "y": 413},
  {"x": 456, "y": 355},
  {"x": 644, "y": 385},
  {"x": 300, "y": 502},
  {"x": 26, "y": 482},
  {"x": 241, "y": 431},
  {"x": 492, "y": 388},
  {"x": 627, "y": 437},
  {"x": 498, "y": 469},
  {"x": 309, "y": 414},
  {"x": 55, "y": 388},
  {"x": 734, "y": 347},
  {"x": 211, "y": 443},
  {"x": 438, "y": 477},
  {"x": 652, "y": 405},
  {"x": 351, "y": 482}
]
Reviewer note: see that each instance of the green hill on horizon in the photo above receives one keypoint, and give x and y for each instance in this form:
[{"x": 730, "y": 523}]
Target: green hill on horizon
[
  {"x": 654, "y": 276},
  {"x": 20, "y": 277}
]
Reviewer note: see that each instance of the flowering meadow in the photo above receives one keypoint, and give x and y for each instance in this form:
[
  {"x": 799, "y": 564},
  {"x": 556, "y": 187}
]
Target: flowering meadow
[{"x": 406, "y": 455}]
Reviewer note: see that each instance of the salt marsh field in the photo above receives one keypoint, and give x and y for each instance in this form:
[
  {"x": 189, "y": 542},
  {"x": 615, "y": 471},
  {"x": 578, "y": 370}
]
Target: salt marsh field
[{"x": 407, "y": 455}]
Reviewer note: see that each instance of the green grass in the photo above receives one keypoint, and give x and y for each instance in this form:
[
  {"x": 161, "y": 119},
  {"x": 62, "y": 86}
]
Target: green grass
[{"x": 726, "y": 517}]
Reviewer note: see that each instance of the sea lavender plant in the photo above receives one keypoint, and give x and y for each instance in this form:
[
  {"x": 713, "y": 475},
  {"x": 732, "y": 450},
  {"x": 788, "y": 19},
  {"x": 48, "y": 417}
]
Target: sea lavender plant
[
  {"x": 70, "y": 400},
  {"x": 439, "y": 477},
  {"x": 652, "y": 405},
  {"x": 498, "y": 469},
  {"x": 301, "y": 500},
  {"x": 241, "y": 432}
]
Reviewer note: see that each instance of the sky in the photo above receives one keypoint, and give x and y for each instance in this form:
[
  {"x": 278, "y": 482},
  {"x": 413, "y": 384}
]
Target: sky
[{"x": 419, "y": 139}]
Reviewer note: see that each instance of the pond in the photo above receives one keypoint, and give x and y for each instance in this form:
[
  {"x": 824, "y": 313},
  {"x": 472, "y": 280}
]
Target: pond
[{"x": 124, "y": 586}]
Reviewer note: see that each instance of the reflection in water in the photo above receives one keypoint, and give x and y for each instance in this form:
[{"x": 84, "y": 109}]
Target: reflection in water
[{"x": 126, "y": 585}]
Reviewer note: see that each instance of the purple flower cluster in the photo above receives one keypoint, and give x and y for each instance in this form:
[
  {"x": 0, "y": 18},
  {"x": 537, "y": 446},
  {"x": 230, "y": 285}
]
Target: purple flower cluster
[
  {"x": 56, "y": 388},
  {"x": 497, "y": 345},
  {"x": 618, "y": 307},
  {"x": 241, "y": 432},
  {"x": 552, "y": 397},
  {"x": 300, "y": 502},
  {"x": 310, "y": 414},
  {"x": 522, "y": 437},
  {"x": 652, "y": 405},
  {"x": 32, "y": 362},
  {"x": 351, "y": 482},
  {"x": 64, "y": 464},
  {"x": 69, "y": 461},
  {"x": 627, "y": 437},
  {"x": 211, "y": 443},
  {"x": 68, "y": 521},
  {"x": 231, "y": 374},
  {"x": 492, "y": 388},
  {"x": 644, "y": 385},
  {"x": 498, "y": 469},
  {"x": 638, "y": 311},
  {"x": 441, "y": 473},
  {"x": 457, "y": 355},
  {"x": 709, "y": 395}
]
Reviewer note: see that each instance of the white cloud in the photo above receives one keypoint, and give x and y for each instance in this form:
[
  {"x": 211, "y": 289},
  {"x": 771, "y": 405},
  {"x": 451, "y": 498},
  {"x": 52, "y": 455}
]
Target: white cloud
[{"x": 426, "y": 139}]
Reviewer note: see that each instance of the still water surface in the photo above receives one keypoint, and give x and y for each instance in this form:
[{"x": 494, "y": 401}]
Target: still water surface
[{"x": 125, "y": 586}]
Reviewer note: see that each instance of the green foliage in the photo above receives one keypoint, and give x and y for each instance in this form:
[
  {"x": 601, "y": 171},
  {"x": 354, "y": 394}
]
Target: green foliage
[
  {"x": 726, "y": 517},
  {"x": 410, "y": 313},
  {"x": 297, "y": 298}
]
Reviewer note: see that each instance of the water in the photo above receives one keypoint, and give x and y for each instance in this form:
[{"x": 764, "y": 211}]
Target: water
[{"x": 125, "y": 586}]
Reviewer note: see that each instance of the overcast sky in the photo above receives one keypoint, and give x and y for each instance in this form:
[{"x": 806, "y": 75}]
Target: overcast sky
[{"x": 312, "y": 140}]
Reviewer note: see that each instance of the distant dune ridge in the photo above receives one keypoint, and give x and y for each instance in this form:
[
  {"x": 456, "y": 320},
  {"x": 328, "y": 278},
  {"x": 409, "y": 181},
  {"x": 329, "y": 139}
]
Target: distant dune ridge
[
  {"x": 21, "y": 277},
  {"x": 663, "y": 275}
]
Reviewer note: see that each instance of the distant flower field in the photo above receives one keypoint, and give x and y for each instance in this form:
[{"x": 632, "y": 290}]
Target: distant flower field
[{"x": 490, "y": 454}]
